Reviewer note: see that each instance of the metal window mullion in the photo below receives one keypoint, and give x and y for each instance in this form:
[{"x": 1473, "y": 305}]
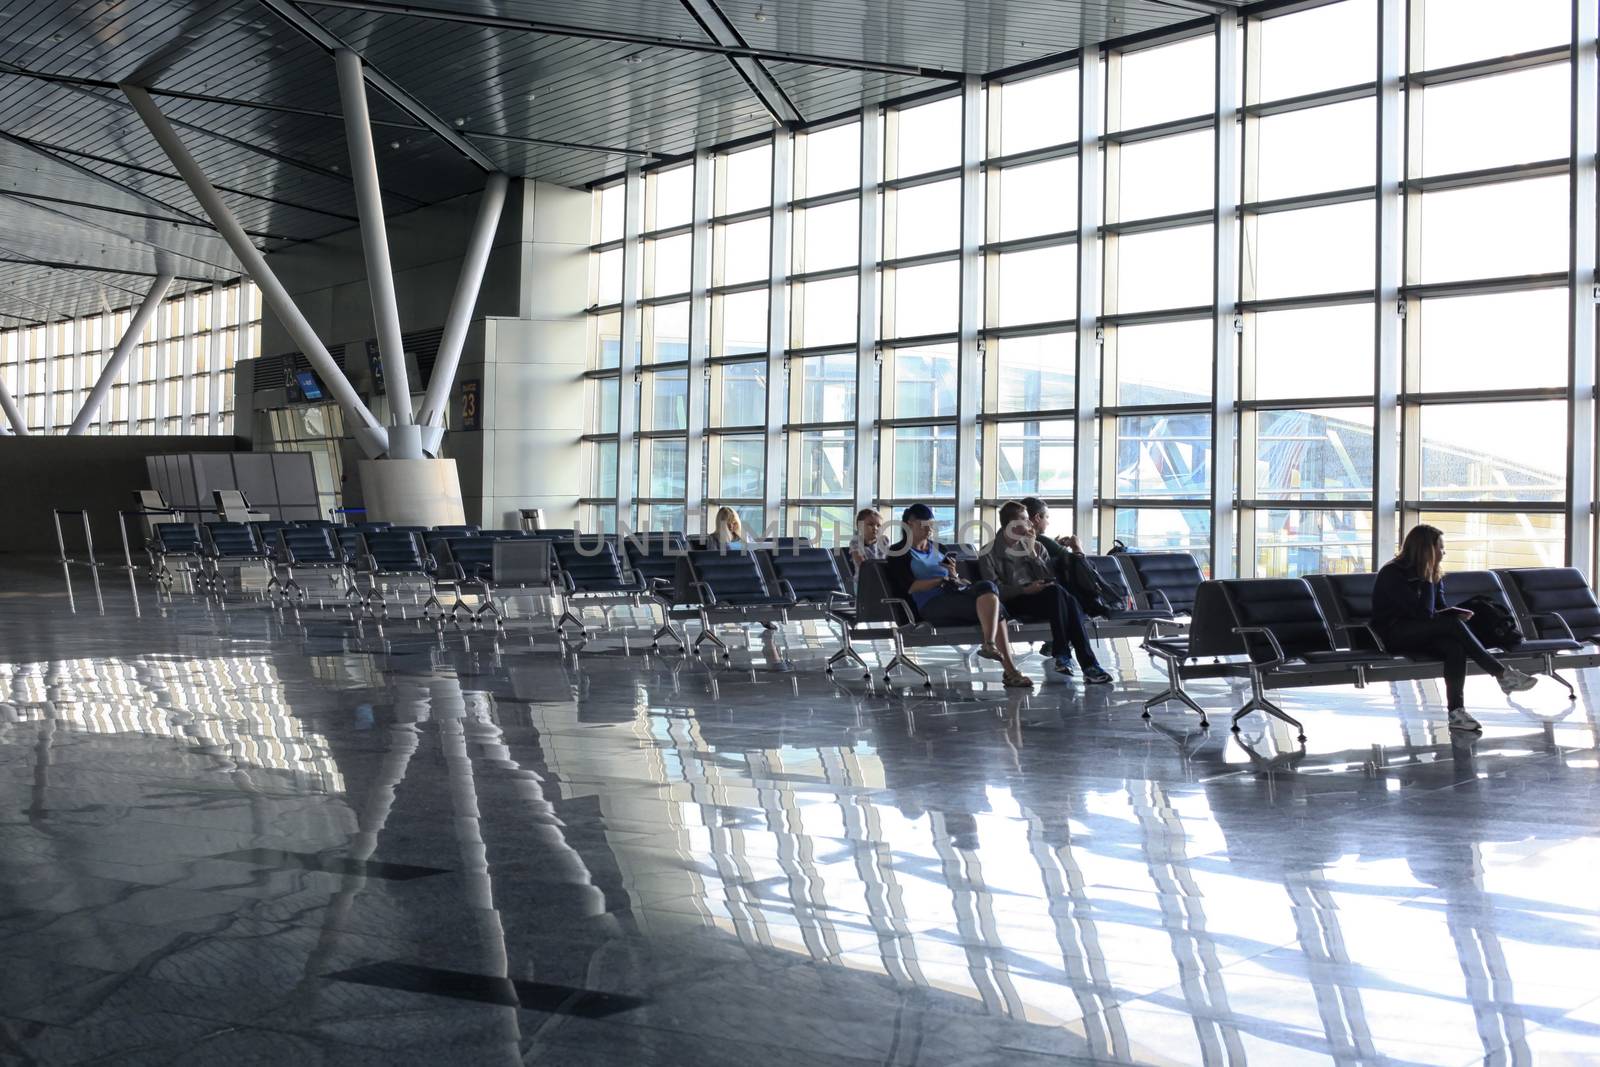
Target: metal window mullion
[
  {"x": 186, "y": 364},
  {"x": 1225, "y": 351},
  {"x": 969, "y": 369},
  {"x": 47, "y": 377},
  {"x": 865, "y": 474},
  {"x": 628, "y": 340},
  {"x": 1581, "y": 291},
  {"x": 777, "y": 328},
  {"x": 1389, "y": 241},
  {"x": 699, "y": 343},
  {"x": 1087, "y": 396},
  {"x": 214, "y": 363}
]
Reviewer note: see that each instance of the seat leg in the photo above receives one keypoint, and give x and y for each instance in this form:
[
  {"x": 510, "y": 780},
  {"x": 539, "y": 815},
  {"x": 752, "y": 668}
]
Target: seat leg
[
  {"x": 708, "y": 633},
  {"x": 1258, "y": 702},
  {"x": 901, "y": 659},
  {"x": 1174, "y": 690},
  {"x": 1550, "y": 669}
]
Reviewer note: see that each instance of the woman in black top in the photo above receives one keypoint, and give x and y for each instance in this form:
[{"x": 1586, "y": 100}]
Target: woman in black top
[{"x": 1409, "y": 613}]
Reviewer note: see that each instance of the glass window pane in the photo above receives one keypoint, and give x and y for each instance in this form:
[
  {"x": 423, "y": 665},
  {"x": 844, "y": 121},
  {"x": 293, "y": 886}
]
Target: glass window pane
[
  {"x": 1038, "y": 112},
  {"x": 1167, "y": 530},
  {"x": 744, "y": 394},
  {"x": 1460, "y": 31},
  {"x": 1291, "y": 543},
  {"x": 1314, "y": 250},
  {"x": 1035, "y": 458},
  {"x": 607, "y": 339},
  {"x": 1323, "y": 48},
  {"x": 1520, "y": 117},
  {"x": 742, "y": 252},
  {"x": 927, "y": 218},
  {"x": 742, "y": 467},
  {"x": 1494, "y": 451},
  {"x": 1164, "y": 363},
  {"x": 670, "y": 270},
  {"x": 671, "y": 197},
  {"x": 610, "y": 210},
  {"x": 1039, "y": 285},
  {"x": 1163, "y": 456},
  {"x": 827, "y": 464},
  {"x": 608, "y": 288},
  {"x": 747, "y": 180},
  {"x": 1467, "y": 342},
  {"x": 739, "y": 323},
  {"x": 828, "y": 525},
  {"x": 662, "y": 517},
  {"x": 828, "y": 388},
  {"x": 831, "y": 236},
  {"x": 924, "y": 461},
  {"x": 1035, "y": 373},
  {"x": 1316, "y": 150},
  {"x": 1314, "y": 352},
  {"x": 1314, "y": 454},
  {"x": 927, "y": 300},
  {"x": 603, "y": 468},
  {"x": 669, "y": 402},
  {"x": 667, "y": 332},
  {"x": 1174, "y": 81},
  {"x": 1164, "y": 269},
  {"x": 833, "y": 159},
  {"x": 928, "y": 137},
  {"x": 1456, "y": 243},
  {"x": 924, "y": 382},
  {"x": 605, "y": 405},
  {"x": 668, "y": 467},
  {"x": 825, "y": 312},
  {"x": 1036, "y": 199},
  {"x": 1486, "y": 541},
  {"x": 1166, "y": 176}
]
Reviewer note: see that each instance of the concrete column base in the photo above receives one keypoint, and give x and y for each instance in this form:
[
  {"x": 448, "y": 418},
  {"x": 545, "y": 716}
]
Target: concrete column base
[{"x": 412, "y": 492}]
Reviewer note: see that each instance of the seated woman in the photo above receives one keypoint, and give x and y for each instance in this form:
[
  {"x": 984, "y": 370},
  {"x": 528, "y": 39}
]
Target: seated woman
[
  {"x": 727, "y": 532},
  {"x": 1409, "y": 613},
  {"x": 868, "y": 543},
  {"x": 922, "y": 571}
]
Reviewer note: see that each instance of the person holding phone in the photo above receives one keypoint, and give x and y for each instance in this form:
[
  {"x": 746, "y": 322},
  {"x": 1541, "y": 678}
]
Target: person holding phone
[
  {"x": 1409, "y": 613},
  {"x": 924, "y": 572}
]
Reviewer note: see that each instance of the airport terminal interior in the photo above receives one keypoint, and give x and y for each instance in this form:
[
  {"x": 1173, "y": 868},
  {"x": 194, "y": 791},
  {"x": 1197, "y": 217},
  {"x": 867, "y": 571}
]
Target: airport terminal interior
[{"x": 839, "y": 532}]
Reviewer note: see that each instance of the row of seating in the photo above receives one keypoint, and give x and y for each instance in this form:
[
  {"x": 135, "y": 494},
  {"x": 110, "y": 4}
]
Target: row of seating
[{"x": 1293, "y": 632}]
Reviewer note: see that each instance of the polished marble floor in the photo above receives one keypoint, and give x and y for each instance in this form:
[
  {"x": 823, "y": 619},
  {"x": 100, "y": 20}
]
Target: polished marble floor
[{"x": 228, "y": 836}]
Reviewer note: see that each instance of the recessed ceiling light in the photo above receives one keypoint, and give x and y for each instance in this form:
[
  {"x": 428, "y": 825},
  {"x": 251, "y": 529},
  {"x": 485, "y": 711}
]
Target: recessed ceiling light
[
  {"x": 633, "y": 58},
  {"x": 461, "y": 122},
  {"x": 761, "y": 13},
  {"x": 394, "y": 144}
]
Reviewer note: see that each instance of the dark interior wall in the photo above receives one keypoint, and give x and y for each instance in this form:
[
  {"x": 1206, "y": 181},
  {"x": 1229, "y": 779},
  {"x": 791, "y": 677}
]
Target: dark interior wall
[{"x": 97, "y": 474}]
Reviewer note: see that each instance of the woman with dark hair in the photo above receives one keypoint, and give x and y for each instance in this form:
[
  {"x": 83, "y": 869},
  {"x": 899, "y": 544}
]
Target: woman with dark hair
[
  {"x": 924, "y": 572},
  {"x": 1409, "y": 613}
]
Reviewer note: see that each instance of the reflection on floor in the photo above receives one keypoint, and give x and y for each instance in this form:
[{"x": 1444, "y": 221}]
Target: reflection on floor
[{"x": 234, "y": 836}]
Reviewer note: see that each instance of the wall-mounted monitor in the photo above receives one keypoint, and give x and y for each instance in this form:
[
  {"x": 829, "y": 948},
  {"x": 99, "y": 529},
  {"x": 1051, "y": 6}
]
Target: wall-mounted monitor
[{"x": 310, "y": 388}]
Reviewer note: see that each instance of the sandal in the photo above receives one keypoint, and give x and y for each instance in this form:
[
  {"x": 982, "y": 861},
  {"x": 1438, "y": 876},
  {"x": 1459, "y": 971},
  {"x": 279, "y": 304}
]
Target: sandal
[
  {"x": 989, "y": 652},
  {"x": 1016, "y": 680}
]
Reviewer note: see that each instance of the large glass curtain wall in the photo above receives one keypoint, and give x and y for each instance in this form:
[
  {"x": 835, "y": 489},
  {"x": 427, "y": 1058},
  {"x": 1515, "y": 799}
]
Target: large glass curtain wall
[
  {"x": 178, "y": 381},
  {"x": 1362, "y": 299}
]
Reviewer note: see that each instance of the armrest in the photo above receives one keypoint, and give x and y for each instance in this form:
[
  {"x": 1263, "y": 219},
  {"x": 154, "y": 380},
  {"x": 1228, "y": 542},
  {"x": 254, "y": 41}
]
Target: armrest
[
  {"x": 1347, "y": 627},
  {"x": 786, "y": 590},
  {"x": 1153, "y": 631},
  {"x": 837, "y": 599},
  {"x": 898, "y": 608},
  {"x": 1272, "y": 639},
  {"x": 1165, "y": 601},
  {"x": 707, "y": 597},
  {"x": 1556, "y": 615},
  {"x": 567, "y": 584}
]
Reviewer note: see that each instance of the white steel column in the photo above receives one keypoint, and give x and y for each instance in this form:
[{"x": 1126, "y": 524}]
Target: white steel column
[
  {"x": 866, "y": 472},
  {"x": 371, "y": 436},
  {"x": 699, "y": 372},
  {"x": 119, "y": 358},
  {"x": 1085, "y": 430},
  {"x": 1390, "y": 239},
  {"x": 628, "y": 353},
  {"x": 375, "y": 246},
  {"x": 969, "y": 369},
  {"x": 1581, "y": 291},
  {"x": 777, "y": 331},
  {"x": 1225, "y": 308},
  {"x": 468, "y": 283},
  {"x": 19, "y": 425}
]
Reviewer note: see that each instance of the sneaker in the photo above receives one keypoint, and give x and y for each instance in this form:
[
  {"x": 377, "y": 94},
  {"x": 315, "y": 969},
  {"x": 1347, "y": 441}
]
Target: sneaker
[
  {"x": 1097, "y": 676},
  {"x": 989, "y": 652},
  {"x": 1016, "y": 680},
  {"x": 1047, "y": 650},
  {"x": 1460, "y": 720},
  {"x": 1515, "y": 681},
  {"x": 1063, "y": 666}
]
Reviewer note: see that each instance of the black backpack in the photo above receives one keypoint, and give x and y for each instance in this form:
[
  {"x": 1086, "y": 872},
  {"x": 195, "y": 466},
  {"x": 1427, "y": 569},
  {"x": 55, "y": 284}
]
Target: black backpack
[
  {"x": 1492, "y": 624},
  {"x": 1092, "y": 592}
]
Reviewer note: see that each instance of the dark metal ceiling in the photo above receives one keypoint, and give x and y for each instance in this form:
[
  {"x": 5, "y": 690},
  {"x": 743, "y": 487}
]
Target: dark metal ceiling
[{"x": 566, "y": 92}]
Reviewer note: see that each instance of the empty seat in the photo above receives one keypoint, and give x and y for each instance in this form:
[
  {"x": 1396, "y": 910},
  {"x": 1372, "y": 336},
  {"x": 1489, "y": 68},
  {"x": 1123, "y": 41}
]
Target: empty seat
[
  {"x": 591, "y": 569},
  {"x": 654, "y": 556},
  {"x": 469, "y": 558},
  {"x": 808, "y": 575},
  {"x": 456, "y": 531},
  {"x": 233, "y": 541},
  {"x": 1346, "y": 600},
  {"x": 1556, "y": 596},
  {"x": 1163, "y": 579},
  {"x": 729, "y": 578},
  {"x": 394, "y": 552}
]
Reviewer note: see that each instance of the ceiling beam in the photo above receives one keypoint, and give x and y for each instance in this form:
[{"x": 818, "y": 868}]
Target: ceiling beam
[
  {"x": 557, "y": 29},
  {"x": 329, "y": 41},
  {"x": 229, "y": 270},
  {"x": 87, "y": 269},
  {"x": 130, "y": 213},
  {"x": 330, "y": 116},
  {"x": 714, "y": 24},
  {"x": 103, "y": 179}
]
